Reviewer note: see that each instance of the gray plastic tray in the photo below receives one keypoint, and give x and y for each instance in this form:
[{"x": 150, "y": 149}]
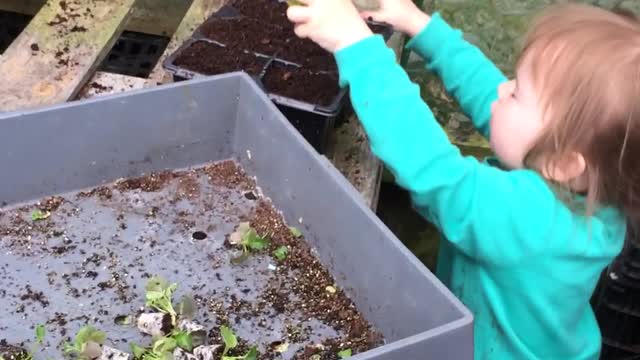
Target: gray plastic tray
[{"x": 74, "y": 146}]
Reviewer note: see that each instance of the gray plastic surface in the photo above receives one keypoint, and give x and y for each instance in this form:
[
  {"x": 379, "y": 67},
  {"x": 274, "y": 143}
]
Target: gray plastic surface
[{"x": 77, "y": 145}]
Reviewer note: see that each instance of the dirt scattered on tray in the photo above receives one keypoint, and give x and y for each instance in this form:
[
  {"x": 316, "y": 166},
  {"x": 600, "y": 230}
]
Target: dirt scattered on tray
[
  {"x": 209, "y": 59},
  {"x": 150, "y": 183},
  {"x": 229, "y": 174},
  {"x": 103, "y": 192},
  {"x": 294, "y": 82},
  {"x": 299, "y": 287},
  {"x": 12, "y": 352},
  {"x": 36, "y": 296},
  {"x": 310, "y": 292}
]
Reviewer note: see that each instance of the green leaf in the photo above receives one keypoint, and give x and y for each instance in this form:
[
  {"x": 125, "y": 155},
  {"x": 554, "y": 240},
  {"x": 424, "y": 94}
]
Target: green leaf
[
  {"x": 295, "y": 3},
  {"x": 252, "y": 354},
  {"x": 345, "y": 354},
  {"x": 164, "y": 344},
  {"x": 295, "y": 232},
  {"x": 138, "y": 351},
  {"x": 229, "y": 338},
  {"x": 184, "y": 340},
  {"x": 38, "y": 215},
  {"x": 156, "y": 283},
  {"x": 88, "y": 333},
  {"x": 69, "y": 348},
  {"x": 41, "y": 331},
  {"x": 255, "y": 241},
  {"x": 281, "y": 252}
]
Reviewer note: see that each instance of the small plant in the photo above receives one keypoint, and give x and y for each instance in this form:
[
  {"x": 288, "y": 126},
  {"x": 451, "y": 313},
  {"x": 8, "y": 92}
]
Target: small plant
[
  {"x": 38, "y": 215},
  {"x": 230, "y": 342},
  {"x": 87, "y": 343},
  {"x": 162, "y": 348},
  {"x": 344, "y": 354},
  {"x": 159, "y": 295},
  {"x": 295, "y": 232},
  {"x": 281, "y": 252},
  {"x": 249, "y": 239},
  {"x": 41, "y": 332}
]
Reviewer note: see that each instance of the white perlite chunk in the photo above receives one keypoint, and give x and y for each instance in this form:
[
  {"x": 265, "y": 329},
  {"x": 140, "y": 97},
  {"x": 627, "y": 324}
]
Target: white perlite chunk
[
  {"x": 206, "y": 352},
  {"x": 197, "y": 331},
  {"x": 153, "y": 324},
  {"x": 179, "y": 354},
  {"x": 190, "y": 326},
  {"x": 109, "y": 353}
]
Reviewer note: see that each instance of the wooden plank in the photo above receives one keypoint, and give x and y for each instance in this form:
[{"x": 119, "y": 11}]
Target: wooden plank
[
  {"x": 157, "y": 17},
  {"x": 59, "y": 50},
  {"x": 199, "y": 11},
  {"x": 106, "y": 83}
]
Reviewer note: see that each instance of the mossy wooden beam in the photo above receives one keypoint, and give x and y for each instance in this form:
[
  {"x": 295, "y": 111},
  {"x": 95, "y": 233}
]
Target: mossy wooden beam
[
  {"x": 59, "y": 51},
  {"x": 156, "y": 17}
]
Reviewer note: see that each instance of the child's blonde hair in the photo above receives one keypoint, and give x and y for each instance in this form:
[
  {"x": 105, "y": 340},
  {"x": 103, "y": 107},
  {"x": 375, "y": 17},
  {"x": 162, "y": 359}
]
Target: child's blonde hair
[{"x": 586, "y": 66}]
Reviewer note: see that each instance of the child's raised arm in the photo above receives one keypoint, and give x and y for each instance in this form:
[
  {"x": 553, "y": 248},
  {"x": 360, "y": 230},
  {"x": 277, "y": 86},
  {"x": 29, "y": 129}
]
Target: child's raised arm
[
  {"x": 466, "y": 72},
  {"x": 490, "y": 214}
]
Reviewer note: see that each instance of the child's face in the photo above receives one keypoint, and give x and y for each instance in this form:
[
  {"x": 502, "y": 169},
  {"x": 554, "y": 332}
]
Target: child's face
[{"x": 516, "y": 119}]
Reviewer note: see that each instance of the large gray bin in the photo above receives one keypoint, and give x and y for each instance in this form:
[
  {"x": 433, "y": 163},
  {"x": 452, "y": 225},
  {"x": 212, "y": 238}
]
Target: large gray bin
[{"x": 82, "y": 144}]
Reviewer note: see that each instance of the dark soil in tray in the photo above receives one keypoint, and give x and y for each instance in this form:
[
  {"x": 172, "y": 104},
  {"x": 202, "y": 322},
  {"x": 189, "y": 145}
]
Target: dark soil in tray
[
  {"x": 210, "y": 59},
  {"x": 84, "y": 258},
  {"x": 294, "y": 83},
  {"x": 248, "y": 33},
  {"x": 264, "y": 28}
]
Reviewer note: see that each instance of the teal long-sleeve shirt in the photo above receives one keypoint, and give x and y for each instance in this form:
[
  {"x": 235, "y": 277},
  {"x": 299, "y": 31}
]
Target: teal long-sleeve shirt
[{"x": 519, "y": 258}]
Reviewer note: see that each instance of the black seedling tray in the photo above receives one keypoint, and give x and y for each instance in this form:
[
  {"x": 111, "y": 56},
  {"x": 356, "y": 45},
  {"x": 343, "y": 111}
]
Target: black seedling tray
[
  {"x": 135, "y": 54},
  {"x": 313, "y": 119}
]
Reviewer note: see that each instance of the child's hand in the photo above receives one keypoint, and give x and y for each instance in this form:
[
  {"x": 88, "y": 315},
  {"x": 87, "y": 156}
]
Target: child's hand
[
  {"x": 403, "y": 15},
  {"x": 332, "y": 24}
]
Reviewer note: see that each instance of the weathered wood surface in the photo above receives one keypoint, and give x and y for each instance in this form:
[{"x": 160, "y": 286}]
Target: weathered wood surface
[
  {"x": 157, "y": 17},
  {"x": 59, "y": 51}
]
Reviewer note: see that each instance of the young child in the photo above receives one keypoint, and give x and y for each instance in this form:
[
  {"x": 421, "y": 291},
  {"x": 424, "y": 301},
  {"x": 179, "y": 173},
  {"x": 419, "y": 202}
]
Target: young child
[{"x": 527, "y": 234}]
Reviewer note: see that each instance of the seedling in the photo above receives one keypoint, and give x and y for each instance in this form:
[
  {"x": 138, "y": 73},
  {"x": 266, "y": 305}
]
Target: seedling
[
  {"x": 281, "y": 253},
  {"x": 87, "y": 343},
  {"x": 38, "y": 215},
  {"x": 162, "y": 348},
  {"x": 158, "y": 296},
  {"x": 230, "y": 342},
  {"x": 295, "y": 232},
  {"x": 41, "y": 331},
  {"x": 344, "y": 354},
  {"x": 249, "y": 239}
]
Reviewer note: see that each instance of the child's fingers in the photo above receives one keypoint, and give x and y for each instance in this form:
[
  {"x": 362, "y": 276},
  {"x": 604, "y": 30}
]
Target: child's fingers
[
  {"x": 299, "y": 14},
  {"x": 302, "y": 31}
]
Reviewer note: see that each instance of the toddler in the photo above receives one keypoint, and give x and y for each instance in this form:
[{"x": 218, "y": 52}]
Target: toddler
[{"x": 527, "y": 233}]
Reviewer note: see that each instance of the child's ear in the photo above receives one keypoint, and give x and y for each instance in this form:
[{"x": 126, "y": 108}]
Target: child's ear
[{"x": 566, "y": 168}]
